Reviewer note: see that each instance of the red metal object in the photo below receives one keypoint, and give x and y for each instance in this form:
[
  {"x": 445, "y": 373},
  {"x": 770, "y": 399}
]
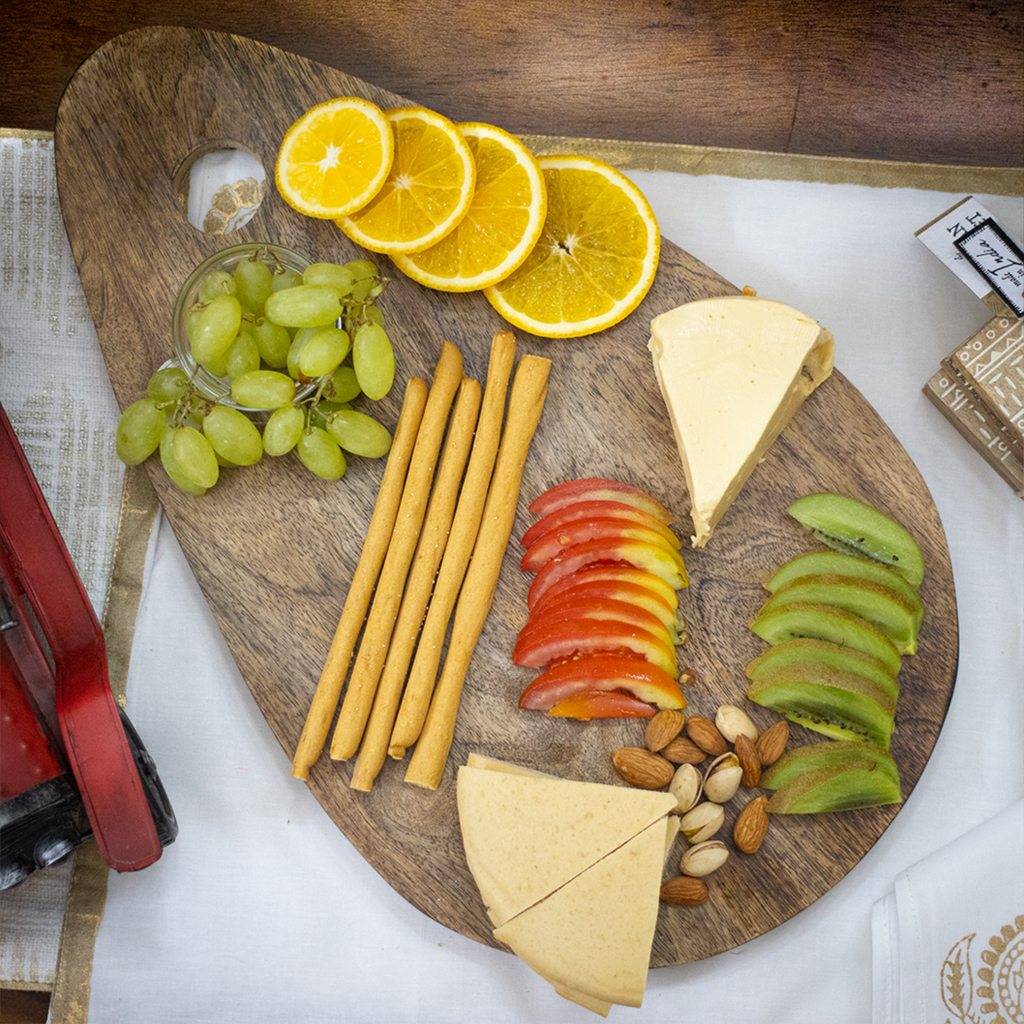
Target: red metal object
[{"x": 43, "y": 584}]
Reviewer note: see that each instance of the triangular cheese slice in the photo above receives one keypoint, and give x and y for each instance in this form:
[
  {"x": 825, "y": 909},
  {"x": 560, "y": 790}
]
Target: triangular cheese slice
[
  {"x": 733, "y": 370},
  {"x": 527, "y": 835},
  {"x": 593, "y": 936}
]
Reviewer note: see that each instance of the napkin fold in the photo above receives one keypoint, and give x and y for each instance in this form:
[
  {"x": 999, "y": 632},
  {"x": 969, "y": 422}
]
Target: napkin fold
[{"x": 948, "y": 942}]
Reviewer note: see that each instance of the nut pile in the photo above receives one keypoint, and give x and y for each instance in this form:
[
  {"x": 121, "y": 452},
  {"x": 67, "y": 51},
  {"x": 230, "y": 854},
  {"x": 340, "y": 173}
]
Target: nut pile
[{"x": 675, "y": 750}]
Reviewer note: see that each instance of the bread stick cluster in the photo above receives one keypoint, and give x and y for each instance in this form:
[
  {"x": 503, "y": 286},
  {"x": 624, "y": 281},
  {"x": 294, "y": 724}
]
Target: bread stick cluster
[{"x": 432, "y": 552}]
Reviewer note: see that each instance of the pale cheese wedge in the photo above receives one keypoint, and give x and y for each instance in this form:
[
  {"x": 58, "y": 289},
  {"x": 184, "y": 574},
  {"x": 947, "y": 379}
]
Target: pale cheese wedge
[
  {"x": 527, "y": 835},
  {"x": 733, "y": 371},
  {"x": 592, "y": 937}
]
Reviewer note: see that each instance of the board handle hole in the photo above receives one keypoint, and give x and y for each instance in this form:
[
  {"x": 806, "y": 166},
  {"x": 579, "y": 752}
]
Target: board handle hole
[{"x": 219, "y": 187}]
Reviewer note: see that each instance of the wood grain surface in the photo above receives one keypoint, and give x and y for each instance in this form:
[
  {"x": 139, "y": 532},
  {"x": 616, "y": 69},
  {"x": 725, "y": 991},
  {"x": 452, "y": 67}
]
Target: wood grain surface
[
  {"x": 273, "y": 547},
  {"x": 936, "y": 82}
]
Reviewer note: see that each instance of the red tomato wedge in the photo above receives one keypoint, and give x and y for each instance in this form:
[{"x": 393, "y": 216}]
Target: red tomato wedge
[
  {"x": 598, "y": 608},
  {"x": 603, "y": 528},
  {"x": 666, "y": 564},
  {"x": 611, "y": 573},
  {"x": 614, "y": 591},
  {"x": 568, "y": 638},
  {"x": 588, "y": 704},
  {"x": 592, "y": 510},
  {"x": 598, "y": 489},
  {"x": 606, "y": 672}
]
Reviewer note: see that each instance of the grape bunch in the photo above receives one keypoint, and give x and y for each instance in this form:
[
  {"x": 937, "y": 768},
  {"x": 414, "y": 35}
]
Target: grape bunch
[{"x": 269, "y": 329}]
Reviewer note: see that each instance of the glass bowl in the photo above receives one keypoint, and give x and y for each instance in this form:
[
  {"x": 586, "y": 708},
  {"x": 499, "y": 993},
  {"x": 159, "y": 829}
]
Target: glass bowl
[{"x": 208, "y": 385}]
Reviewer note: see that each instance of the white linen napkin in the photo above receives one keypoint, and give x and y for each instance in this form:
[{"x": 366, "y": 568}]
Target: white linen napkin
[{"x": 948, "y": 942}]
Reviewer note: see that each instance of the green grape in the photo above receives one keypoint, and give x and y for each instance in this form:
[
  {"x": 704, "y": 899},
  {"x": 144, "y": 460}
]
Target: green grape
[
  {"x": 195, "y": 456},
  {"x": 139, "y": 430},
  {"x": 359, "y": 434},
  {"x": 233, "y": 436},
  {"x": 371, "y": 314},
  {"x": 283, "y": 430},
  {"x": 218, "y": 366},
  {"x": 244, "y": 354},
  {"x": 305, "y": 305},
  {"x": 361, "y": 269},
  {"x": 216, "y": 328},
  {"x": 168, "y": 384},
  {"x": 365, "y": 290},
  {"x": 285, "y": 277},
  {"x": 273, "y": 342},
  {"x": 171, "y": 467},
  {"x": 374, "y": 360},
  {"x": 320, "y": 454},
  {"x": 292, "y": 362},
  {"x": 253, "y": 284},
  {"x": 263, "y": 389},
  {"x": 324, "y": 352},
  {"x": 217, "y": 282},
  {"x": 344, "y": 385},
  {"x": 330, "y": 274}
]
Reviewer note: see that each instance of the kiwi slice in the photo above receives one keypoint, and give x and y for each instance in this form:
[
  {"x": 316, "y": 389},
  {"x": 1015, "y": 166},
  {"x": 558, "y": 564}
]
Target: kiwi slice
[
  {"x": 824, "y": 622},
  {"x": 841, "y": 564},
  {"x": 879, "y": 604},
  {"x": 841, "y": 705},
  {"x": 847, "y": 786},
  {"x": 831, "y": 656},
  {"x": 848, "y": 525},
  {"x": 824, "y": 754}
]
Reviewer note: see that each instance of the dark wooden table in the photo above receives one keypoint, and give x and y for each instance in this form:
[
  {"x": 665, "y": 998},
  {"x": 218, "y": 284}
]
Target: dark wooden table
[{"x": 937, "y": 82}]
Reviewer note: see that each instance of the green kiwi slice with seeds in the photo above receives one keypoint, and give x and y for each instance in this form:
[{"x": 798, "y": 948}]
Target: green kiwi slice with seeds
[
  {"x": 797, "y": 619},
  {"x": 850, "y": 526},
  {"x": 841, "y": 705}
]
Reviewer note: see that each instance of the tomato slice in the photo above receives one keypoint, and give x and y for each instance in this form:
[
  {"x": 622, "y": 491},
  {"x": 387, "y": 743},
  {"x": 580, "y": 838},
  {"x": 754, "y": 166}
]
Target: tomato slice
[
  {"x": 666, "y": 564},
  {"x": 618, "y": 572},
  {"x": 598, "y": 489},
  {"x": 592, "y": 509},
  {"x": 598, "y": 608},
  {"x": 588, "y": 704},
  {"x": 566, "y": 638},
  {"x": 614, "y": 591},
  {"x": 605, "y": 672},
  {"x": 576, "y": 532}
]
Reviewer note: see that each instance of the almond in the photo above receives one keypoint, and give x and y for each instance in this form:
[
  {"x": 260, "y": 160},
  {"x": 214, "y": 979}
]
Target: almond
[
  {"x": 683, "y": 751},
  {"x": 771, "y": 744},
  {"x": 663, "y": 728},
  {"x": 642, "y": 768},
  {"x": 684, "y": 891},
  {"x": 751, "y": 825},
  {"x": 749, "y": 762},
  {"x": 705, "y": 734}
]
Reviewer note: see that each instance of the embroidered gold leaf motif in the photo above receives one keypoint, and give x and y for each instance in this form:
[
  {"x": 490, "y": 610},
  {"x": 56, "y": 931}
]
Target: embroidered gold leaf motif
[{"x": 1002, "y": 978}]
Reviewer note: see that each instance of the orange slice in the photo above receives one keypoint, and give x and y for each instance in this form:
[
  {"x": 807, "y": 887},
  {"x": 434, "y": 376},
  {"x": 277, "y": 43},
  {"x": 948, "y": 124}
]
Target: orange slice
[
  {"x": 595, "y": 259},
  {"x": 502, "y": 225},
  {"x": 427, "y": 192},
  {"x": 335, "y": 158}
]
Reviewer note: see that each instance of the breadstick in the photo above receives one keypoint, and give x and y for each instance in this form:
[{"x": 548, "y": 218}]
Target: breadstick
[
  {"x": 375, "y": 546},
  {"x": 362, "y": 684},
  {"x": 527, "y": 401},
  {"x": 430, "y": 549},
  {"x": 420, "y": 684}
]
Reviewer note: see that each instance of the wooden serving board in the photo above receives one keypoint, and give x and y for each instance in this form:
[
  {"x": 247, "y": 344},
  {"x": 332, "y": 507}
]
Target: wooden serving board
[{"x": 274, "y": 548}]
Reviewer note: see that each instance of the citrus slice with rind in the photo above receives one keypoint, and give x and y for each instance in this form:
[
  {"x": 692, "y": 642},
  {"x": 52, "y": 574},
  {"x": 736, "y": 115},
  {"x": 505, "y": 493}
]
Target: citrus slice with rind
[
  {"x": 502, "y": 225},
  {"x": 427, "y": 192},
  {"x": 595, "y": 259},
  {"x": 335, "y": 158}
]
